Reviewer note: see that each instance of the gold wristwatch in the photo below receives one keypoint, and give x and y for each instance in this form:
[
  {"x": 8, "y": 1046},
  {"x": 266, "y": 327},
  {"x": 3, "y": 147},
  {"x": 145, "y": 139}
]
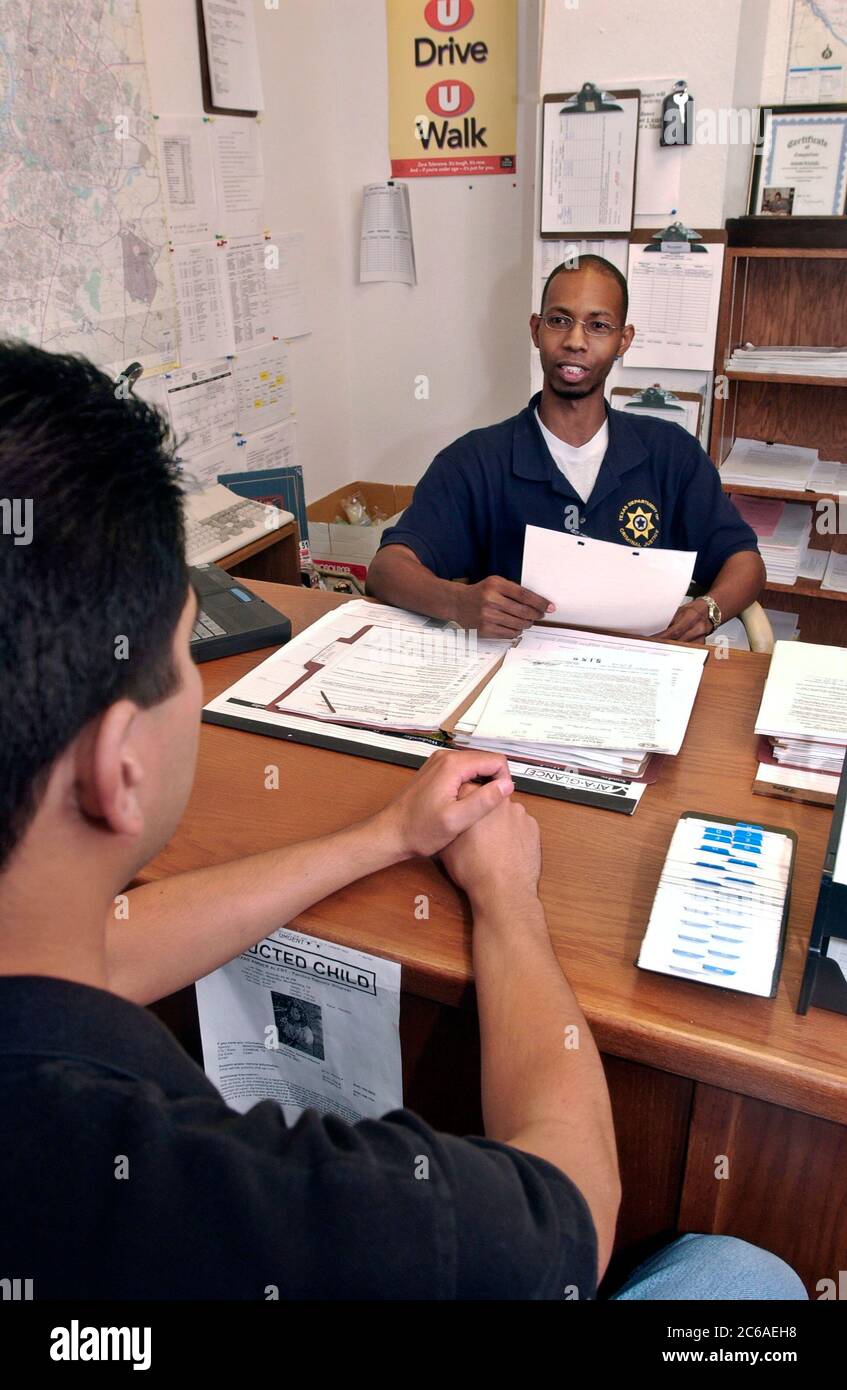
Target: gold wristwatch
[{"x": 713, "y": 610}]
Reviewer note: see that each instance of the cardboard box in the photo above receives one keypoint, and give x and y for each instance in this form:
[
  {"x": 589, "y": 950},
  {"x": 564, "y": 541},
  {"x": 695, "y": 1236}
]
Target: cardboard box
[{"x": 353, "y": 545}]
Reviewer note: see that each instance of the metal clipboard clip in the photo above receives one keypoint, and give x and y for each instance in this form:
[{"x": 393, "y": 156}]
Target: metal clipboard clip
[
  {"x": 677, "y": 239},
  {"x": 654, "y": 398},
  {"x": 589, "y": 100}
]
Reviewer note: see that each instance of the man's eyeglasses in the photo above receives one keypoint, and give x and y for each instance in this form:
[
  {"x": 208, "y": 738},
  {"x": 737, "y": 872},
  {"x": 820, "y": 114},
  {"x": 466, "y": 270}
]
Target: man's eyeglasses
[{"x": 595, "y": 328}]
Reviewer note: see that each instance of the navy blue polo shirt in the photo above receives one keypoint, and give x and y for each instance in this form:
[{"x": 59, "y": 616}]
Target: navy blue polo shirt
[{"x": 656, "y": 488}]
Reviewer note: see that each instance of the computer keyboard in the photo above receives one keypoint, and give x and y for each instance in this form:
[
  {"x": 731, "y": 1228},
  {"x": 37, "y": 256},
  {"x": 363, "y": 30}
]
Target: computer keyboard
[
  {"x": 217, "y": 523},
  {"x": 206, "y": 627}
]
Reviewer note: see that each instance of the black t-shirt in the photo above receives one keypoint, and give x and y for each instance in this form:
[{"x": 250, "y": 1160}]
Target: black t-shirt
[{"x": 123, "y": 1174}]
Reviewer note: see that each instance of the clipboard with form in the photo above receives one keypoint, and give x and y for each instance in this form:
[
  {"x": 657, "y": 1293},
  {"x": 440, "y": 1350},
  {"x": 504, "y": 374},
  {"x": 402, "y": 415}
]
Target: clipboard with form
[{"x": 589, "y": 144}]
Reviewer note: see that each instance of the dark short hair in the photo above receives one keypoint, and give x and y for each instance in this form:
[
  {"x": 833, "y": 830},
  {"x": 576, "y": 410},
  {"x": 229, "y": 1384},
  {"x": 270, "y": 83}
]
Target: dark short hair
[
  {"x": 104, "y": 561},
  {"x": 598, "y": 263}
]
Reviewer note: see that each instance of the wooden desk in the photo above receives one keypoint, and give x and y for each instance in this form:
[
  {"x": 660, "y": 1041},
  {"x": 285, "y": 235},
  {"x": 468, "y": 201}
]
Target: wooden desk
[
  {"x": 694, "y": 1073},
  {"x": 274, "y": 557}
]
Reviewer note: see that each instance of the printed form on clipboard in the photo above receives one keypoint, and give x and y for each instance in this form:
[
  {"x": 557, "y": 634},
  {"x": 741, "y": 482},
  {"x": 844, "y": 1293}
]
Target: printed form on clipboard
[{"x": 589, "y": 141}]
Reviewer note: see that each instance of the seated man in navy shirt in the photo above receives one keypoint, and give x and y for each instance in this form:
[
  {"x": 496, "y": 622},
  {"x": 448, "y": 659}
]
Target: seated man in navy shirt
[
  {"x": 567, "y": 462},
  {"x": 123, "y": 1173}
]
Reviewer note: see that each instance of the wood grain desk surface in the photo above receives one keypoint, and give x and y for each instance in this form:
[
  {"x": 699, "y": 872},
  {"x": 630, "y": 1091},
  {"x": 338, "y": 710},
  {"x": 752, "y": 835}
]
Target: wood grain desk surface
[{"x": 600, "y": 873}]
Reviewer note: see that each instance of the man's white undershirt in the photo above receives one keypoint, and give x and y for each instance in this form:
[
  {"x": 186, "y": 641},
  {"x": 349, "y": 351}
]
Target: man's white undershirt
[{"x": 580, "y": 466}]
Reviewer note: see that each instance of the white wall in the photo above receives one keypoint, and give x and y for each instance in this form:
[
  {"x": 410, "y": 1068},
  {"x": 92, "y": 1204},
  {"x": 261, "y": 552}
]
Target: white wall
[
  {"x": 304, "y": 193},
  {"x": 732, "y": 55},
  {"x": 465, "y": 325},
  {"x": 325, "y": 134},
  {"x": 717, "y": 46}
]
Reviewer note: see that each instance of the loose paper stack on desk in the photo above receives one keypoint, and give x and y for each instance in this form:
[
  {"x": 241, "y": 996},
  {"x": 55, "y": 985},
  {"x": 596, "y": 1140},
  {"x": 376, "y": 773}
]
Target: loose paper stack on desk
[
  {"x": 803, "y": 717},
  {"x": 783, "y": 530},
  {"x": 562, "y": 699},
  {"x": 586, "y": 701}
]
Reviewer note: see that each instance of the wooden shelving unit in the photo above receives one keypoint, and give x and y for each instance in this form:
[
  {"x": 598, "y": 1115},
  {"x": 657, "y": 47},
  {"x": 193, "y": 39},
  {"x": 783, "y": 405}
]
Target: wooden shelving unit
[{"x": 779, "y": 295}]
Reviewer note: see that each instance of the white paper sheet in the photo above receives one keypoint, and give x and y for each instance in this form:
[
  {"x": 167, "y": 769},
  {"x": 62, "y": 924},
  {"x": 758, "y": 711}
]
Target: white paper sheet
[
  {"x": 592, "y": 695},
  {"x": 201, "y": 404},
  {"x": 554, "y": 253},
  {"x": 273, "y": 447},
  {"x": 753, "y": 463},
  {"x": 803, "y": 779},
  {"x": 234, "y": 72},
  {"x": 387, "y": 249},
  {"x": 202, "y": 470},
  {"x": 190, "y": 191},
  {"x": 588, "y": 168},
  {"x": 286, "y": 285},
  {"x": 835, "y": 576},
  {"x": 805, "y": 694},
  {"x": 249, "y": 299},
  {"x": 202, "y": 297},
  {"x": 813, "y": 563},
  {"x": 673, "y": 303},
  {"x": 239, "y": 175},
  {"x": 263, "y": 390},
  {"x": 391, "y": 678},
  {"x": 658, "y": 168},
  {"x": 601, "y": 585},
  {"x": 306, "y": 1023}
]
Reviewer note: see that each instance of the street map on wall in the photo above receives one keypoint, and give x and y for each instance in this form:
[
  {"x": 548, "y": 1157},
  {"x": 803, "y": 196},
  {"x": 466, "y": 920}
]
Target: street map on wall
[{"x": 83, "y": 237}]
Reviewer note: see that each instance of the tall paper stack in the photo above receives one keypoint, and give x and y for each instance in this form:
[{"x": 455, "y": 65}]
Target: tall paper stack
[{"x": 783, "y": 530}]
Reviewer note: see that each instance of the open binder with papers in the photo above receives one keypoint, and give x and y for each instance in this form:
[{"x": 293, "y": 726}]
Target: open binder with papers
[{"x": 578, "y": 715}]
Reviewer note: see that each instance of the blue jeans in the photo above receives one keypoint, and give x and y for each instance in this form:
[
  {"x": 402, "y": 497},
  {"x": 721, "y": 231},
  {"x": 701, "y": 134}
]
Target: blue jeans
[{"x": 720, "y": 1267}]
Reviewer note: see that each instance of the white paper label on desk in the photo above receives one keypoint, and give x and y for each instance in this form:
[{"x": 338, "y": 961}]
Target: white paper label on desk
[
  {"x": 598, "y": 584},
  {"x": 305, "y": 1023}
]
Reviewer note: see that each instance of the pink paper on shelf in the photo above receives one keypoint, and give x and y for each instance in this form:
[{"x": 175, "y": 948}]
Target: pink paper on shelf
[{"x": 762, "y": 513}]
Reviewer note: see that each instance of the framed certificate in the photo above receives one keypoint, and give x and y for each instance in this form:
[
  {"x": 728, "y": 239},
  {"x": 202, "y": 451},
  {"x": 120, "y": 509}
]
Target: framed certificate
[{"x": 800, "y": 165}]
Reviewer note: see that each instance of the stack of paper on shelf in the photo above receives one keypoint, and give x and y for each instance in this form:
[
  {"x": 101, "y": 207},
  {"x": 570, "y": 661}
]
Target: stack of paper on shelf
[
  {"x": 783, "y": 530},
  {"x": 835, "y": 575},
  {"x": 579, "y": 700},
  {"x": 828, "y": 475},
  {"x": 554, "y": 696},
  {"x": 754, "y": 463},
  {"x": 790, "y": 361},
  {"x": 803, "y": 714}
]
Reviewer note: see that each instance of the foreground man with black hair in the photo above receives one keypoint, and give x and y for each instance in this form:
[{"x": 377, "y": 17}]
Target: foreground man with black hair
[{"x": 99, "y": 719}]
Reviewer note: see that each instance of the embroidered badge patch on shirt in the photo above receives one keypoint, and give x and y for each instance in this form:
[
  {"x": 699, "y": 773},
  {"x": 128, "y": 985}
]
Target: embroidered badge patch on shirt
[{"x": 640, "y": 521}]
